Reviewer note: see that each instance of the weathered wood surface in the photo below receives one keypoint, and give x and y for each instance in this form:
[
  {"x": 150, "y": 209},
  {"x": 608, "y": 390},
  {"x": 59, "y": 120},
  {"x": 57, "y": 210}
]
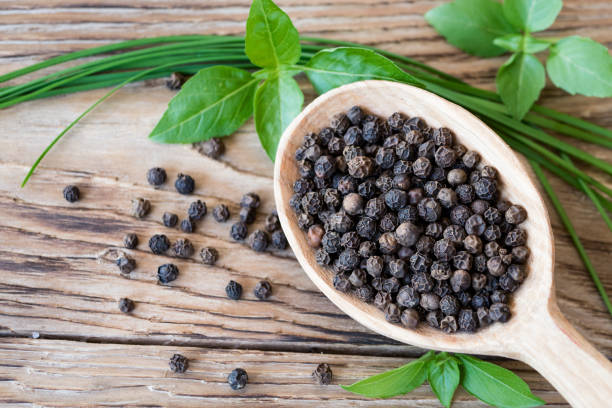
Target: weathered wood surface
[
  {"x": 57, "y": 278},
  {"x": 64, "y": 373}
]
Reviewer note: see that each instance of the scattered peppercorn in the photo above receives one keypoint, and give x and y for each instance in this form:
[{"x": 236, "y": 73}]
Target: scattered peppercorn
[
  {"x": 238, "y": 231},
  {"x": 176, "y": 81},
  {"x": 258, "y": 240},
  {"x": 130, "y": 241},
  {"x": 126, "y": 305},
  {"x": 125, "y": 264},
  {"x": 184, "y": 184},
  {"x": 197, "y": 210},
  {"x": 156, "y": 176},
  {"x": 409, "y": 220},
  {"x": 71, "y": 193},
  {"x": 237, "y": 379},
  {"x": 233, "y": 290},
  {"x": 221, "y": 213},
  {"x": 169, "y": 219},
  {"x": 322, "y": 374},
  {"x": 250, "y": 200},
  {"x": 262, "y": 290},
  {"x": 140, "y": 207},
  {"x": 183, "y": 248},
  {"x": 187, "y": 226},
  {"x": 209, "y": 255},
  {"x": 167, "y": 273},
  {"x": 178, "y": 363},
  {"x": 159, "y": 244},
  {"x": 212, "y": 148},
  {"x": 278, "y": 240}
]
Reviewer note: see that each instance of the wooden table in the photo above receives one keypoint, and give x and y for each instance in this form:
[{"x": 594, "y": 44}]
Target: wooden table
[{"x": 64, "y": 341}]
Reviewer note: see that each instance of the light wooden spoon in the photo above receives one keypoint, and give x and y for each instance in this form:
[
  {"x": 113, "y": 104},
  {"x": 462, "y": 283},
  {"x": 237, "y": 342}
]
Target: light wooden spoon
[{"x": 537, "y": 333}]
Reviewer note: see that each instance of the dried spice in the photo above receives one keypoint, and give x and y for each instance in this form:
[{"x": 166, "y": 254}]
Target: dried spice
[
  {"x": 170, "y": 219},
  {"x": 209, "y": 255},
  {"x": 140, "y": 207},
  {"x": 130, "y": 241},
  {"x": 156, "y": 176},
  {"x": 409, "y": 220},
  {"x": 278, "y": 240},
  {"x": 176, "y": 81},
  {"x": 221, "y": 213},
  {"x": 322, "y": 374},
  {"x": 71, "y": 193},
  {"x": 233, "y": 290},
  {"x": 247, "y": 215},
  {"x": 184, "y": 184},
  {"x": 258, "y": 240},
  {"x": 167, "y": 273},
  {"x": 159, "y": 244},
  {"x": 250, "y": 200},
  {"x": 126, "y": 305},
  {"x": 125, "y": 264},
  {"x": 197, "y": 210},
  {"x": 178, "y": 363},
  {"x": 262, "y": 290},
  {"x": 182, "y": 248},
  {"x": 187, "y": 226},
  {"x": 212, "y": 148},
  {"x": 272, "y": 222},
  {"x": 237, "y": 379}
]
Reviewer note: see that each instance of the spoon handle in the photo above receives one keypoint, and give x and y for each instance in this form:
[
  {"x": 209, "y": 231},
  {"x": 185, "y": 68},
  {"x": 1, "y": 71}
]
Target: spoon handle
[{"x": 568, "y": 361}]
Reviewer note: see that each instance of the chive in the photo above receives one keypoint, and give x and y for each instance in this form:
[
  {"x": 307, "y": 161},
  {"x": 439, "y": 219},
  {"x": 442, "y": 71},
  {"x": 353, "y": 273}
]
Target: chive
[{"x": 570, "y": 229}]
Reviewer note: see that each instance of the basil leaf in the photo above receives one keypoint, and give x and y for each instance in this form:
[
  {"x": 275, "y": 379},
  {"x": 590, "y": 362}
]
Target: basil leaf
[
  {"x": 532, "y": 15},
  {"x": 394, "y": 382},
  {"x": 443, "y": 376},
  {"x": 331, "y": 68},
  {"x": 271, "y": 39},
  {"x": 581, "y": 65},
  {"x": 471, "y": 25},
  {"x": 495, "y": 385},
  {"x": 519, "y": 83},
  {"x": 277, "y": 102},
  {"x": 518, "y": 43},
  {"x": 214, "y": 102}
]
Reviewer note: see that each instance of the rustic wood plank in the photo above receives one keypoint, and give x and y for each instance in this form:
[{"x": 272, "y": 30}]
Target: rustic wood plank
[{"x": 62, "y": 373}]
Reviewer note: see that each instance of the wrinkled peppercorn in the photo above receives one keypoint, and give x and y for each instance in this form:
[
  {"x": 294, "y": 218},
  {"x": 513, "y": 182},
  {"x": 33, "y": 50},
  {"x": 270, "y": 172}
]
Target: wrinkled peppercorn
[
  {"x": 392, "y": 313},
  {"x": 238, "y": 231},
  {"x": 159, "y": 244},
  {"x": 140, "y": 207},
  {"x": 130, "y": 241},
  {"x": 209, "y": 255},
  {"x": 169, "y": 219},
  {"x": 233, "y": 290},
  {"x": 178, "y": 363},
  {"x": 197, "y": 210},
  {"x": 212, "y": 148},
  {"x": 322, "y": 375},
  {"x": 126, "y": 305},
  {"x": 125, "y": 264},
  {"x": 184, "y": 184},
  {"x": 246, "y": 215},
  {"x": 262, "y": 290},
  {"x": 237, "y": 379},
  {"x": 258, "y": 240},
  {"x": 499, "y": 312},
  {"x": 278, "y": 240},
  {"x": 448, "y": 324},
  {"x": 221, "y": 213},
  {"x": 156, "y": 176},
  {"x": 167, "y": 273},
  {"x": 250, "y": 200},
  {"x": 183, "y": 248},
  {"x": 187, "y": 226}
]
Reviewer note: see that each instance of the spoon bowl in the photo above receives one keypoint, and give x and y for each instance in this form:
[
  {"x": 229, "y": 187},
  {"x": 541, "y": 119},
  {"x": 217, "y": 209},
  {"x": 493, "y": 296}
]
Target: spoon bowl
[{"x": 537, "y": 333}]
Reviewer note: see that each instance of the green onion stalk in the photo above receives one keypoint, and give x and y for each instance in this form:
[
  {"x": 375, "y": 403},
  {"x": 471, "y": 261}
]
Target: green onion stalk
[{"x": 148, "y": 58}]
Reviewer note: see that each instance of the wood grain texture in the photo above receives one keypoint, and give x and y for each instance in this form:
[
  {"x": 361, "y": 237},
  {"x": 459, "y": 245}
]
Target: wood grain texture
[
  {"x": 55, "y": 257},
  {"x": 66, "y": 374}
]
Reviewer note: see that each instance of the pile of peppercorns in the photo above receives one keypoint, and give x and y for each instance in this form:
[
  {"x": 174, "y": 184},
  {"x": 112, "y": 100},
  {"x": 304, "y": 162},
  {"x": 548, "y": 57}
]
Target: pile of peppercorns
[{"x": 410, "y": 221}]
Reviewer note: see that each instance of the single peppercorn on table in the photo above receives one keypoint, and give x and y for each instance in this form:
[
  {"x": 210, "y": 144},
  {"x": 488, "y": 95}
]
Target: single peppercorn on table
[{"x": 66, "y": 343}]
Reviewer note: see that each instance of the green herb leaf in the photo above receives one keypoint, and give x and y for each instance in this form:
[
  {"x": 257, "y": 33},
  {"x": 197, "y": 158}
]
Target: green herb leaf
[
  {"x": 518, "y": 43},
  {"x": 271, "y": 39},
  {"x": 495, "y": 385},
  {"x": 394, "y": 382},
  {"x": 471, "y": 25},
  {"x": 519, "y": 82},
  {"x": 277, "y": 102},
  {"x": 213, "y": 103},
  {"x": 532, "y": 15},
  {"x": 581, "y": 65},
  {"x": 443, "y": 376},
  {"x": 331, "y": 68}
]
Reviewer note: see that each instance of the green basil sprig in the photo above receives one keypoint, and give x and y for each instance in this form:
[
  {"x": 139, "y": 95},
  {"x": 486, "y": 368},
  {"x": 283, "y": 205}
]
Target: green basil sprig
[
  {"x": 487, "y": 28},
  {"x": 486, "y": 381},
  {"x": 218, "y": 100}
]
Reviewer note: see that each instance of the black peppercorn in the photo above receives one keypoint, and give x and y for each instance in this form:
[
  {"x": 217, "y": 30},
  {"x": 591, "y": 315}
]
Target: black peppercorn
[
  {"x": 390, "y": 285},
  {"x": 422, "y": 282},
  {"x": 387, "y": 243},
  {"x": 349, "y": 240},
  {"x": 258, "y": 240},
  {"x": 125, "y": 264},
  {"x": 233, "y": 290},
  {"x": 169, "y": 219},
  {"x": 520, "y": 254},
  {"x": 167, "y": 273},
  {"x": 197, "y": 210},
  {"x": 250, "y": 200},
  {"x": 430, "y": 301},
  {"x": 460, "y": 214},
  {"x": 183, "y": 248},
  {"x": 392, "y": 313},
  {"x": 485, "y": 188},
  {"x": 433, "y": 318},
  {"x": 156, "y": 176},
  {"x": 130, "y": 241},
  {"x": 495, "y": 266},
  {"x": 440, "y": 271},
  {"x": 357, "y": 278},
  {"x": 246, "y": 215},
  {"x": 209, "y": 255},
  {"x": 444, "y": 250},
  {"x": 507, "y": 283},
  {"x": 187, "y": 226},
  {"x": 382, "y": 299},
  {"x": 409, "y": 318},
  {"x": 429, "y": 209},
  {"x": 221, "y": 213},
  {"x": 465, "y": 193},
  {"x": 126, "y": 305},
  {"x": 322, "y": 374},
  {"x": 355, "y": 115},
  {"x": 262, "y": 290},
  {"x": 159, "y": 244},
  {"x": 499, "y": 312},
  {"x": 421, "y": 167},
  {"x": 470, "y": 159},
  {"x": 178, "y": 363},
  {"x": 140, "y": 207},
  {"x": 419, "y": 262},
  {"x": 238, "y": 231},
  {"x": 184, "y": 184},
  {"x": 212, "y": 148},
  {"x": 449, "y": 305},
  {"x": 341, "y": 283},
  {"x": 516, "y": 237},
  {"x": 460, "y": 280},
  {"x": 278, "y": 240},
  {"x": 237, "y": 379}
]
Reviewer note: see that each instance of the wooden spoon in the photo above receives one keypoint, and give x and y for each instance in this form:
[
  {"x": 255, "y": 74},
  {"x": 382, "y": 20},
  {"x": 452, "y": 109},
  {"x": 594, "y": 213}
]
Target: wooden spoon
[{"x": 537, "y": 333}]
